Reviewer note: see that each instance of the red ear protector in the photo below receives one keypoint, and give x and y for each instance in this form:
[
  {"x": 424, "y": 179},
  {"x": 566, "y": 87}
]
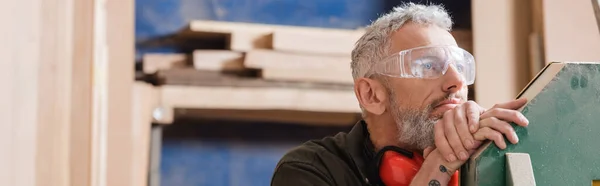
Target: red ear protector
[{"x": 394, "y": 166}]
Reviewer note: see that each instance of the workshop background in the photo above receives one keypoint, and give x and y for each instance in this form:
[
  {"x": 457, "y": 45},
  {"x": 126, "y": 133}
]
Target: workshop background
[
  {"x": 214, "y": 92},
  {"x": 225, "y": 151}
]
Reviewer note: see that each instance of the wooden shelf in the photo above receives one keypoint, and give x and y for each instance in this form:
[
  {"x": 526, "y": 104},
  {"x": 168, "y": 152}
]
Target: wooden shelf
[{"x": 217, "y": 94}]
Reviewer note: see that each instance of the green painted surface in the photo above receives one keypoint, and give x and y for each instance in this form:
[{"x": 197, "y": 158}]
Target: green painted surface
[{"x": 563, "y": 137}]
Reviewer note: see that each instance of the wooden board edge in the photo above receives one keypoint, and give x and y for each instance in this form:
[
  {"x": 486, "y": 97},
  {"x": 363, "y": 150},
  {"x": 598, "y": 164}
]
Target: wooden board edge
[
  {"x": 143, "y": 101},
  {"x": 255, "y": 59},
  {"x": 322, "y": 42},
  {"x": 536, "y": 77},
  {"x": 308, "y": 75},
  {"x": 248, "y": 36},
  {"x": 278, "y": 116},
  {"x": 228, "y": 26},
  {"x": 177, "y": 96},
  {"x": 112, "y": 141},
  {"x": 51, "y": 64},
  {"x": 150, "y": 65},
  {"x": 234, "y": 60},
  {"x": 82, "y": 103}
]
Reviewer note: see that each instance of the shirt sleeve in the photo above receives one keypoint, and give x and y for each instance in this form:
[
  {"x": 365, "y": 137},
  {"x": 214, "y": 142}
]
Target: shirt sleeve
[{"x": 297, "y": 174}]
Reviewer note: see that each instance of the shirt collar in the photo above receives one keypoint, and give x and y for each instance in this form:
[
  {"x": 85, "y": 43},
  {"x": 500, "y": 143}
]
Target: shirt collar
[{"x": 360, "y": 148}]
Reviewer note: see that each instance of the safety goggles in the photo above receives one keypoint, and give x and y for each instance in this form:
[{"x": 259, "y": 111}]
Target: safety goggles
[{"x": 428, "y": 62}]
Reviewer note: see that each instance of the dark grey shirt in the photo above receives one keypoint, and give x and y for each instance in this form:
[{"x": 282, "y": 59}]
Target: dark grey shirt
[{"x": 342, "y": 159}]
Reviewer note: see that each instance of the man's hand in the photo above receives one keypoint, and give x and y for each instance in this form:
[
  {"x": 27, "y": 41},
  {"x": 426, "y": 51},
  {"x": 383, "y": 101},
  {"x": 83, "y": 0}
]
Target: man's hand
[
  {"x": 463, "y": 128},
  {"x": 496, "y": 122},
  {"x": 452, "y": 134}
]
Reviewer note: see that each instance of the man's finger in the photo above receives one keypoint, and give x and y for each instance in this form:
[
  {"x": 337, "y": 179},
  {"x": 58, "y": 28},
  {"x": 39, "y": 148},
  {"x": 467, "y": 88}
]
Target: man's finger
[
  {"x": 441, "y": 143},
  {"x": 452, "y": 135},
  {"x": 488, "y": 133},
  {"x": 502, "y": 127},
  {"x": 506, "y": 115},
  {"x": 514, "y": 104},
  {"x": 461, "y": 120},
  {"x": 473, "y": 111}
]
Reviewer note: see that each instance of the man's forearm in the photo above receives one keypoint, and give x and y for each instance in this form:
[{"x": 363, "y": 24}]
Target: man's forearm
[{"x": 432, "y": 174}]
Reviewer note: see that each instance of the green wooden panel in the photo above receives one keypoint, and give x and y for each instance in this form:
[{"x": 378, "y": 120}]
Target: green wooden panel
[{"x": 563, "y": 137}]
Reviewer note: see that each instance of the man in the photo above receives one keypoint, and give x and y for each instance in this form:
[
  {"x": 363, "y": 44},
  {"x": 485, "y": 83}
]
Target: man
[{"x": 411, "y": 82}]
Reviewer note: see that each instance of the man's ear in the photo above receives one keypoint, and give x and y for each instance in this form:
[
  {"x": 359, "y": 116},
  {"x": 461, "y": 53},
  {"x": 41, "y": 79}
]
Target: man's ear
[{"x": 371, "y": 95}]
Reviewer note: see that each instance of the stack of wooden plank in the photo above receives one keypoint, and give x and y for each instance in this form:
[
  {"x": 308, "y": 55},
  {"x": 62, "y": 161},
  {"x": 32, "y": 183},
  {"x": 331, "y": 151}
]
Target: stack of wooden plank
[
  {"x": 280, "y": 52},
  {"x": 258, "y": 71}
]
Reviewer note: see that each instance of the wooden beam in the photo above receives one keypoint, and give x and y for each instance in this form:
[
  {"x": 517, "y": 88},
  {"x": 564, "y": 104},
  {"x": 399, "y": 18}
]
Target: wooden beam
[
  {"x": 118, "y": 84},
  {"x": 536, "y": 39},
  {"x": 46, "y": 115},
  {"x": 218, "y": 60},
  {"x": 155, "y": 62},
  {"x": 258, "y": 98},
  {"x": 247, "y": 36},
  {"x": 277, "y": 65},
  {"x": 570, "y": 31},
  {"x": 81, "y": 93},
  {"x": 143, "y": 103},
  {"x": 193, "y": 77},
  {"x": 54, "y": 93},
  {"x": 187, "y": 89},
  {"x": 112, "y": 142},
  {"x": 339, "y": 76},
  {"x": 49, "y": 130},
  {"x": 500, "y": 44},
  {"x": 315, "y": 40},
  {"x": 276, "y": 59},
  {"x": 20, "y": 56},
  {"x": 241, "y": 36}
]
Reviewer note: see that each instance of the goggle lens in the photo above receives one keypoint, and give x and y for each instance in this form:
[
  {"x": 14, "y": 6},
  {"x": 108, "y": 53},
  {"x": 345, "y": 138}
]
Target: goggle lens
[{"x": 429, "y": 63}]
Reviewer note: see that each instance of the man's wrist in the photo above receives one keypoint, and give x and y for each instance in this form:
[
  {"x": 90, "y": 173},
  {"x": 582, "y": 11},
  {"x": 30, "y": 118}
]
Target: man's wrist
[
  {"x": 446, "y": 170},
  {"x": 439, "y": 166},
  {"x": 433, "y": 172}
]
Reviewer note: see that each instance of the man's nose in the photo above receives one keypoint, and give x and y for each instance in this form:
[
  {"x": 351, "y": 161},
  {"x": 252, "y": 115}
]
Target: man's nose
[{"x": 453, "y": 80}]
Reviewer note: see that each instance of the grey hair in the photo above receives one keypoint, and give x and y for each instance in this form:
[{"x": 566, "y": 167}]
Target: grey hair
[{"x": 374, "y": 45}]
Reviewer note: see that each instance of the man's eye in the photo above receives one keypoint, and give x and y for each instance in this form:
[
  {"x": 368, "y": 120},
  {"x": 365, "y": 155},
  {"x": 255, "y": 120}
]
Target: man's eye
[
  {"x": 428, "y": 62},
  {"x": 460, "y": 67},
  {"x": 427, "y": 66}
]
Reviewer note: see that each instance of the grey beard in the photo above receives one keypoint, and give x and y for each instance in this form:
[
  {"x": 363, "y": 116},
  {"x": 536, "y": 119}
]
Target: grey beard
[{"x": 414, "y": 125}]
